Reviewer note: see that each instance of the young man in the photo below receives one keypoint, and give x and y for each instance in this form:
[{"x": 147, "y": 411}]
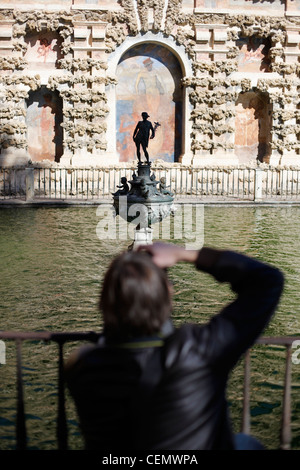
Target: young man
[{"x": 147, "y": 385}]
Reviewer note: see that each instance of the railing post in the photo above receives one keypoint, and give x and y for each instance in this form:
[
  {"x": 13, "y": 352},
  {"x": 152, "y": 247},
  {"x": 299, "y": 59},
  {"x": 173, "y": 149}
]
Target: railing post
[
  {"x": 246, "y": 396},
  {"x": 20, "y": 422},
  {"x": 2, "y": 352},
  {"x": 285, "y": 438},
  {"x": 258, "y": 184},
  {"x": 62, "y": 431},
  {"x": 29, "y": 181}
]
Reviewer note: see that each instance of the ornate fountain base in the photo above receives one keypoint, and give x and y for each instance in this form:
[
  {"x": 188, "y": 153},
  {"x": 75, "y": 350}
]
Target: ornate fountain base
[{"x": 152, "y": 204}]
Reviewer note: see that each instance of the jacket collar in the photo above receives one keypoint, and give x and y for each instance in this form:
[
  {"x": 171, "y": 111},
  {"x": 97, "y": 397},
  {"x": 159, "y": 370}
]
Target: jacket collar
[{"x": 142, "y": 342}]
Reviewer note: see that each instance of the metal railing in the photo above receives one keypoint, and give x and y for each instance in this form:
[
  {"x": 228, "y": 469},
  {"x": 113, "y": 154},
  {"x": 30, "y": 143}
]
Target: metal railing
[
  {"x": 285, "y": 430},
  {"x": 60, "y": 339},
  {"x": 91, "y": 184},
  {"x": 64, "y": 337}
]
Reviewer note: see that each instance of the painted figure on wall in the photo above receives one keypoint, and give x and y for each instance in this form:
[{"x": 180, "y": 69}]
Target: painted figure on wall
[
  {"x": 125, "y": 124},
  {"x": 43, "y": 50},
  {"x": 149, "y": 84},
  {"x": 149, "y": 78},
  {"x": 254, "y": 54}
]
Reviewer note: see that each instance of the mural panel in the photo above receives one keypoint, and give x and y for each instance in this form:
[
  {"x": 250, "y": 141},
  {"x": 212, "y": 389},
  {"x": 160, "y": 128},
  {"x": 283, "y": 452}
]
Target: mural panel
[
  {"x": 44, "y": 50},
  {"x": 43, "y": 119},
  {"x": 149, "y": 81},
  {"x": 254, "y": 54},
  {"x": 253, "y": 127}
]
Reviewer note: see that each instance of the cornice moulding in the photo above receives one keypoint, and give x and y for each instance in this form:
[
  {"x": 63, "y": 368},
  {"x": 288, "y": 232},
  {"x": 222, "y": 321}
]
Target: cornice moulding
[{"x": 228, "y": 11}]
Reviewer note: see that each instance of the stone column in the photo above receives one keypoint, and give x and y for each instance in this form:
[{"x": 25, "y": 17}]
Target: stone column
[
  {"x": 81, "y": 46},
  {"x": 12, "y": 102},
  {"x": 223, "y": 139},
  {"x": 275, "y": 158},
  {"x": 187, "y": 156},
  {"x": 202, "y": 146},
  {"x": 99, "y": 87},
  {"x": 289, "y": 155}
]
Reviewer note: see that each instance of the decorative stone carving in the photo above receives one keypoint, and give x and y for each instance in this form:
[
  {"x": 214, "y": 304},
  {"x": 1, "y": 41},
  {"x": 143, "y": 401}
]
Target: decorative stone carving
[
  {"x": 26, "y": 21},
  {"x": 13, "y": 63},
  {"x": 212, "y": 93},
  {"x": 13, "y": 80}
]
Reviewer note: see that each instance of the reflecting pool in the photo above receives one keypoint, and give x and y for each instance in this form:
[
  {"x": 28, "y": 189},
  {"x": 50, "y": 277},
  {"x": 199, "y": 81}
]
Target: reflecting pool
[{"x": 52, "y": 265}]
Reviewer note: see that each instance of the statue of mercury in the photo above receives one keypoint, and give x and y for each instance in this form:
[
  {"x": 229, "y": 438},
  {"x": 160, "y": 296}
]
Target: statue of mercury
[{"x": 141, "y": 136}]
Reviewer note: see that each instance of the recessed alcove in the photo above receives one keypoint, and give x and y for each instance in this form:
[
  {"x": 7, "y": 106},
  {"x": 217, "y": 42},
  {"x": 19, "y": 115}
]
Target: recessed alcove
[
  {"x": 44, "y": 117},
  {"x": 253, "y": 125}
]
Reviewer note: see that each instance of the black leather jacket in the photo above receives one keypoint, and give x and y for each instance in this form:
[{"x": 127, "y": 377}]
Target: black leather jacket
[{"x": 168, "y": 392}]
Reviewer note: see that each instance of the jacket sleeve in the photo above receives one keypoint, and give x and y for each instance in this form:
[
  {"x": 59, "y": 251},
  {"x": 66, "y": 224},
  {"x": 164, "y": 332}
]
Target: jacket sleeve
[{"x": 258, "y": 287}]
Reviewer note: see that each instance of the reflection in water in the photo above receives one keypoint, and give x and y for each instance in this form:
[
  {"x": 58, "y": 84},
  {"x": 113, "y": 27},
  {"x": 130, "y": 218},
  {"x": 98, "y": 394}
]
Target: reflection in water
[{"x": 52, "y": 265}]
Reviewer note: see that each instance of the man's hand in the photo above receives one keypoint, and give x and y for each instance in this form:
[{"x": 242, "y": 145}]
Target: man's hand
[{"x": 166, "y": 255}]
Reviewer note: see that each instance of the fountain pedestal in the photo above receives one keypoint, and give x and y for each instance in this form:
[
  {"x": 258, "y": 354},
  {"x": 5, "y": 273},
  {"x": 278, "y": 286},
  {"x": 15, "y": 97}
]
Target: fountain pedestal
[
  {"x": 142, "y": 236},
  {"x": 144, "y": 198}
]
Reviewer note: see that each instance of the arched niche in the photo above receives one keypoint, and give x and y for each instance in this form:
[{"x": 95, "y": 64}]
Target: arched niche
[
  {"x": 149, "y": 70},
  {"x": 44, "y": 117},
  {"x": 253, "y": 124},
  {"x": 149, "y": 77}
]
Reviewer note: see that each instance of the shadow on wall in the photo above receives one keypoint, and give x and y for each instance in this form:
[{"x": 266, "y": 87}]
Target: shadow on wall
[
  {"x": 253, "y": 125},
  {"x": 44, "y": 118}
]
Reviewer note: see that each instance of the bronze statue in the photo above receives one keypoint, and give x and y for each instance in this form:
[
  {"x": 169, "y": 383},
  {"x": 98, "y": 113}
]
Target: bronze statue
[
  {"x": 141, "y": 136},
  {"x": 124, "y": 188},
  {"x": 144, "y": 190},
  {"x": 163, "y": 187}
]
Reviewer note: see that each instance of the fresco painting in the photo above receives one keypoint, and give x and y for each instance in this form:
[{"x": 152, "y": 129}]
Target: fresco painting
[
  {"x": 44, "y": 49},
  {"x": 254, "y": 54},
  {"x": 43, "y": 119},
  {"x": 253, "y": 127},
  {"x": 149, "y": 80}
]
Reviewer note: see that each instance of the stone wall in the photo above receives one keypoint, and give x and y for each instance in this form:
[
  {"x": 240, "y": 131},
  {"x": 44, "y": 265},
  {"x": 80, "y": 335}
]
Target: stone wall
[{"x": 230, "y": 68}]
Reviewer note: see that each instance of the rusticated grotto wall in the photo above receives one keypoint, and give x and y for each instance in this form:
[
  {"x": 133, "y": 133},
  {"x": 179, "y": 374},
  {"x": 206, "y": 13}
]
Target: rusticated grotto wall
[{"x": 224, "y": 80}]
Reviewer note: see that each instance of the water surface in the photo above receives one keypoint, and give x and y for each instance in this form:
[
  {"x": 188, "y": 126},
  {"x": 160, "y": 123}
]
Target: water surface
[{"x": 52, "y": 265}]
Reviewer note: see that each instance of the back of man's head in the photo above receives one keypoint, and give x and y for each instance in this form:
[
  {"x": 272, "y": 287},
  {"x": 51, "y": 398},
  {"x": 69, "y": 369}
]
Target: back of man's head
[{"x": 135, "y": 297}]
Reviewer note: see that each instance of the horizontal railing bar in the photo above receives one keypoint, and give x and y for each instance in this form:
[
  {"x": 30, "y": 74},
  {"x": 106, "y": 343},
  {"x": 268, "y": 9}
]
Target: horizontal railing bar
[
  {"x": 74, "y": 336},
  {"x": 278, "y": 340},
  {"x": 48, "y": 336}
]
